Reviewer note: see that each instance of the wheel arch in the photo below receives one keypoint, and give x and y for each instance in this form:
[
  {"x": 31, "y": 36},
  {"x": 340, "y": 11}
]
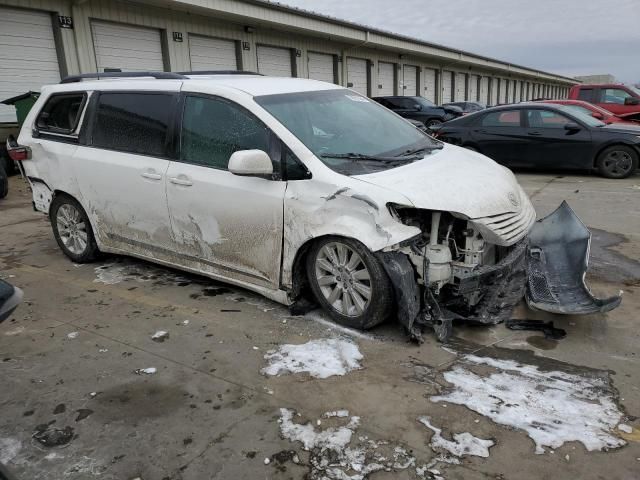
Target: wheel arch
[{"x": 613, "y": 143}]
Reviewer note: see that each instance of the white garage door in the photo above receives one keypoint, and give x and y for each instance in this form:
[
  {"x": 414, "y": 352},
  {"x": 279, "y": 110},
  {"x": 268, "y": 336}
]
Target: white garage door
[
  {"x": 27, "y": 55},
  {"x": 518, "y": 91},
  {"x": 127, "y": 47},
  {"x": 208, "y": 53},
  {"x": 386, "y": 78},
  {"x": 473, "y": 88},
  {"x": 357, "y": 75},
  {"x": 460, "y": 93},
  {"x": 320, "y": 66},
  {"x": 484, "y": 90},
  {"x": 494, "y": 92},
  {"x": 274, "y": 61},
  {"x": 430, "y": 84},
  {"x": 506, "y": 90},
  {"x": 410, "y": 80},
  {"x": 447, "y": 80}
]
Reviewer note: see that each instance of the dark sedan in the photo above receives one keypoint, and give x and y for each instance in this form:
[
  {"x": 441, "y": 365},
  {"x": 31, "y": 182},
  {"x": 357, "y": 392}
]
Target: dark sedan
[
  {"x": 467, "y": 107},
  {"x": 420, "y": 109},
  {"x": 548, "y": 136}
]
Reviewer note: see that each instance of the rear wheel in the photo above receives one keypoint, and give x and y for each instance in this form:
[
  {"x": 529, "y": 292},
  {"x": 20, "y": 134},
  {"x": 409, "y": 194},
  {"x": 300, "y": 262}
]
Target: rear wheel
[
  {"x": 349, "y": 282},
  {"x": 433, "y": 123},
  {"x": 617, "y": 161},
  {"x": 72, "y": 229}
]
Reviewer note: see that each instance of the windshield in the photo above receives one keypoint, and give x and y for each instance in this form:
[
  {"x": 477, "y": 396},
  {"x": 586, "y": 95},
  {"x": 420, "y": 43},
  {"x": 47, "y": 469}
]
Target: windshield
[
  {"x": 424, "y": 102},
  {"x": 583, "y": 117},
  {"x": 351, "y": 127},
  {"x": 635, "y": 90}
]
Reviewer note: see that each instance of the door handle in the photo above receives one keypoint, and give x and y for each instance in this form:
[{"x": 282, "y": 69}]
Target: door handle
[
  {"x": 534, "y": 134},
  {"x": 184, "y": 181},
  {"x": 151, "y": 176}
]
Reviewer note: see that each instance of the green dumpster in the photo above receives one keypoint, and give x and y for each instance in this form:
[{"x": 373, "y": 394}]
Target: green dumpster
[{"x": 23, "y": 104}]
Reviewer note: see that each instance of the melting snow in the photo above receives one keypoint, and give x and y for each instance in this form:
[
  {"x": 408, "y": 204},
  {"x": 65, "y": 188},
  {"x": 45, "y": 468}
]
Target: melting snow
[
  {"x": 463, "y": 444},
  {"x": 160, "y": 336},
  {"x": 319, "y": 358},
  {"x": 552, "y": 407},
  {"x": 146, "y": 371},
  {"x": 73, "y": 335},
  {"x": 9, "y": 448}
]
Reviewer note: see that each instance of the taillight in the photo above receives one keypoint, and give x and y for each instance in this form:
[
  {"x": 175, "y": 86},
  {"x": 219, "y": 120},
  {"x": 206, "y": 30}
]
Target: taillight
[{"x": 16, "y": 152}]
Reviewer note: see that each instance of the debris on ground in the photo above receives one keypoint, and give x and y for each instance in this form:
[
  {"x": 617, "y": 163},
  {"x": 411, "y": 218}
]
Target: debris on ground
[
  {"x": 462, "y": 444},
  {"x": 319, "y": 358},
  {"x": 549, "y": 330},
  {"x": 53, "y": 437},
  {"x": 553, "y": 407},
  {"x": 160, "y": 336},
  {"x": 73, "y": 335},
  {"x": 145, "y": 371},
  {"x": 83, "y": 413}
]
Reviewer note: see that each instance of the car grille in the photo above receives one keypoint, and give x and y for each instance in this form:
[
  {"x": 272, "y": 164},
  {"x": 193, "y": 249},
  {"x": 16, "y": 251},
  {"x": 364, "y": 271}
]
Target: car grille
[{"x": 506, "y": 228}]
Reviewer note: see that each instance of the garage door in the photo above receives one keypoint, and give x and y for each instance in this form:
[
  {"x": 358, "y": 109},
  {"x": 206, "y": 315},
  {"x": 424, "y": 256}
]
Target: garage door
[
  {"x": 518, "y": 91},
  {"x": 494, "y": 100},
  {"x": 274, "y": 61},
  {"x": 410, "y": 80},
  {"x": 460, "y": 93},
  {"x": 430, "y": 84},
  {"x": 27, "y": 55},
  {"x": 506, "y": 90},
  {"x": 386, "y": 78},
  {"x": 208, "y": 53},
  {"x": 473, "y": 88},
  {"x": 127, "y": 47},
  {"x": 357, "y": 75},
  {"x": 484, "y": 90},
  {"x": 446, "y": 86},
  {"x": 320, "y": 66}
]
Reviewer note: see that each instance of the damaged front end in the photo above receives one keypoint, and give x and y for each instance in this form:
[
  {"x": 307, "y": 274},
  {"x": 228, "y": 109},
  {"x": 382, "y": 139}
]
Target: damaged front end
[{"x": 477, "y": 270}]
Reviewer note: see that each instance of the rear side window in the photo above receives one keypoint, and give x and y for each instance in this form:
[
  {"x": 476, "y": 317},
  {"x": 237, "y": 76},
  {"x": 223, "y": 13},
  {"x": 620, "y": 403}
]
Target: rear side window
[
  {"x": 585, "y": 94},
  {"x": 546, "y": 119},
  {"x": 134, "y": 122},
  {"x": 61, "y": 114},
  {"x": 510, "y": 118}
]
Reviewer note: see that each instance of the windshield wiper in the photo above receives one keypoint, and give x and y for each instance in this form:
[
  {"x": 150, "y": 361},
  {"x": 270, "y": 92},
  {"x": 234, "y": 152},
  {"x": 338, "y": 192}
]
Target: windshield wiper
[
  {"x": 374, "y": 158},
  {"x": 426, "y": 148}
]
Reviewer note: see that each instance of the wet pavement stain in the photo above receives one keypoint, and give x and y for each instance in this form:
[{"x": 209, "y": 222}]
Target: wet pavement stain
[
  {"x": 608, "y": 264},
  {"x": 541, "y": 342},
  {"x": 136, "y": 400}
]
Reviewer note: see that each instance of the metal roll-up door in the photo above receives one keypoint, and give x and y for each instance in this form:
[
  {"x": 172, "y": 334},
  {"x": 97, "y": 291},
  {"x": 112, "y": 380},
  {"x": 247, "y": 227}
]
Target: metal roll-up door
[
  {"x": 410, "y": 80},
  {"x": 27, "y": 55},
  {"x": 447, "y": 86},
  {"x": 357, "y": 76},
  {"x": 127, "y": 47},
  {"x": 274, "y": 61},
  {"x": 460, "y": 92},
  {"x": 430, "y": 84},
  {"x": 208, "y": 53},
  {"x": 484, "y": 90},
  {"x": 473, "y": 88},
  {"x": 321, "y": 66},
  {"x": 494, "y": 100},
  {"x": 386, "y": 78},
  {"x": 518, "y": 91},
  {"x": 506, "y": 92}
]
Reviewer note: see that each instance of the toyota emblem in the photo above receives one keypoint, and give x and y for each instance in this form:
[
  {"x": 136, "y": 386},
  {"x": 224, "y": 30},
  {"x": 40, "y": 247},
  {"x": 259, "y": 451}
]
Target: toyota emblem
[{"x": 513, "y": 199}]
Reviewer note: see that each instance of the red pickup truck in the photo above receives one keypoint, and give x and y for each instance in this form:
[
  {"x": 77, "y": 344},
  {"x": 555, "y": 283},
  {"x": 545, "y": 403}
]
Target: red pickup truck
[{"x": 622, "y": 100}]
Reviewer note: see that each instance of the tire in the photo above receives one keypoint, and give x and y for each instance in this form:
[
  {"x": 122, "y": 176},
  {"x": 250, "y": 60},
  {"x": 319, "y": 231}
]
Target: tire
[
  {"x": 617, "y": 161},
  {"x": 72, "y": 229},
  {"x": 4, "y": 183},
  {"x": 328, "y": 262},
  {"x": 434, "y": 122}
]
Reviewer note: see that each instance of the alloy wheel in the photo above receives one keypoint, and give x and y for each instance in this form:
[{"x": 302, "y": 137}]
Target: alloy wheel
[
  {"x": 72, "y": 229},
  {"x": 343, "y": 278},
  {"x": 618, "y": 162}
]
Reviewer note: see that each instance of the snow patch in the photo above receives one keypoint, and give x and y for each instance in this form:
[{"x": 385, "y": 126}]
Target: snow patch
[
  {"x": 462, "y": 444},
  {"x": 160, "y": 336},
  {"x": 9, "y": 449},
  {"x": 336, "y": 413},
  {"x": 73, "y": 335},
  {"x": 319, "y": 358},
  {"x": 552, "y": 407},
  {"x": 146, "y": 371}
]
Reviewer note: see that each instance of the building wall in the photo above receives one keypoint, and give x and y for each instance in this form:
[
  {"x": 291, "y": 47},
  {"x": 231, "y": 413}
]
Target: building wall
[
  {"x": 78, "y": 56},
  {"x": 603, "y": 78}
]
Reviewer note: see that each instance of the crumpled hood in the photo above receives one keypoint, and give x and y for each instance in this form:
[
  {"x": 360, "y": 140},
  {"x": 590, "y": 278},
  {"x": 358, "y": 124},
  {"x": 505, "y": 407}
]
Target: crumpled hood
[{"x": 454, "y": 179}]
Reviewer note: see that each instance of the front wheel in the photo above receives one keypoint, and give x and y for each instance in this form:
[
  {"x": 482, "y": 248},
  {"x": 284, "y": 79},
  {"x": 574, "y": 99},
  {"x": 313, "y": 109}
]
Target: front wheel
[
  {"x": 72, "y": 229},
  {"x": 434, "y": 123},
  {"x": 349, "y": 282},
  {"x": 617, "y": 161}
]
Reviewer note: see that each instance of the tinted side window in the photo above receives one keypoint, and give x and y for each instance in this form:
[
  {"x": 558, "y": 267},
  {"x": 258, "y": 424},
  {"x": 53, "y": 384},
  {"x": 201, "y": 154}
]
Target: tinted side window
[
  {"x": 510, "y": 118},
  {"x": 614, "y": 95},
  {"x": 546, "y": 119},
  {"x": 585, "y": 94},
  {"x": 395, "y": 103},
  {"x": 212, "y": 129},
  {"x": 133, "y": 122},
  {"x": 61, "y": 113}
]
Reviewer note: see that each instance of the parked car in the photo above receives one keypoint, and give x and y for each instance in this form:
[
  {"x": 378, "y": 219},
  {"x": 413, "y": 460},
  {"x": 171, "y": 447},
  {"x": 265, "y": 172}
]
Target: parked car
[
  {"x": 466, "y": 107},
  {"x": 547, "y": 136},
  {"x": 420, "y": 109},
  {"x": 292, "y": 188},
  {"x": 622, "y": 100},
  {"x": 595, "y": 111}
]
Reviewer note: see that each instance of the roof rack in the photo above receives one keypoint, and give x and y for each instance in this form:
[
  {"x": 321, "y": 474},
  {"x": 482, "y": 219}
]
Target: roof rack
[
  {"x": 221, "y": 72},
  {"x": 99, "y": 75}
]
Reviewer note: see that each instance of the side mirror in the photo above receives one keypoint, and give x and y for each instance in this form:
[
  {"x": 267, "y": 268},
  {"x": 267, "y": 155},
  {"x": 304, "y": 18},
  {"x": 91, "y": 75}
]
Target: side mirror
[
  {"x": 632, "y": 101},
  {"x": 572, "y": 127},
  {"x": 597, "y": 115},
  {"x": 250, "y": 163}
]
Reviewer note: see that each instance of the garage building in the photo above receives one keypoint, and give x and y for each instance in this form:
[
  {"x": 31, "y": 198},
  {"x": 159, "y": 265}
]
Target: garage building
[{"x": 42, "y": 41}]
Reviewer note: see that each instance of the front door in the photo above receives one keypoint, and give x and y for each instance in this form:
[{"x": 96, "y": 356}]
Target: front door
[{"x": 224, "y": 224}]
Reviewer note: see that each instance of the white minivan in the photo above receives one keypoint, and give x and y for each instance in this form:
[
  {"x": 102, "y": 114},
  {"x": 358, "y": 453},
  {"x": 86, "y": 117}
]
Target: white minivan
[{"x": 293, "y": 188}]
